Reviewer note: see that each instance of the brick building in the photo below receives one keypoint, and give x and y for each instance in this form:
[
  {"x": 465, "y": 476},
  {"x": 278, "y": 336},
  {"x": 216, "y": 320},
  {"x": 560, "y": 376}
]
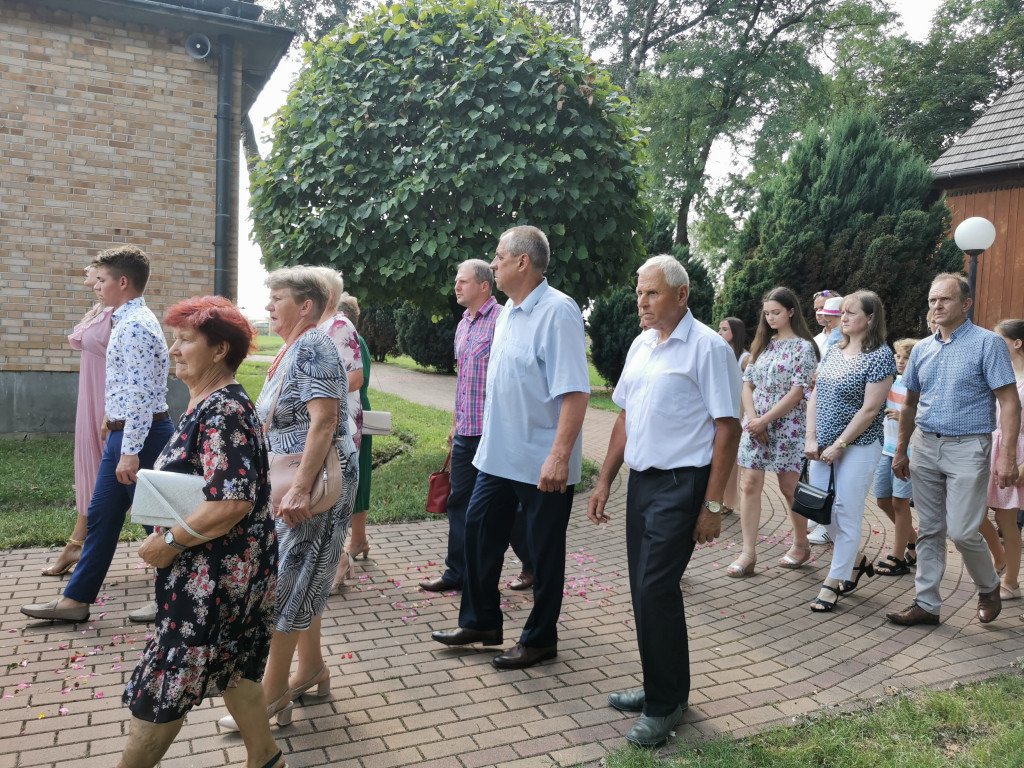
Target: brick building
[{"x": 109, "y": 135}]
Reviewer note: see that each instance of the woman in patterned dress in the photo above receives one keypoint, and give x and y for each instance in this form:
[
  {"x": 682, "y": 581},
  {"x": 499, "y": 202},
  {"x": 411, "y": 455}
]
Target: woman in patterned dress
[
  {"x": 215, "y": 578},
  {"x": 844, "y": 431},
  {"x": 90, "y": 336},
  {"x": 304, "y": 408},
  {"x": 342, "y": 330},
  {"x": 782, "y": 361}
]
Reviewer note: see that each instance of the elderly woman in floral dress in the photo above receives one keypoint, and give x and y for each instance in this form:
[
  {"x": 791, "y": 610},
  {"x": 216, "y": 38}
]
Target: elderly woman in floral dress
[{"x": 217, "y": 574}]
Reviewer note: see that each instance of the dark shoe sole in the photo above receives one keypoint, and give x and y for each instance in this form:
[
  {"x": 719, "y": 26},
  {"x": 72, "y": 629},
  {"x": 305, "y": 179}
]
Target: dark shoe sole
[
  {"x": 546, "y": 656},
  {"x": 460, "y": 642}
]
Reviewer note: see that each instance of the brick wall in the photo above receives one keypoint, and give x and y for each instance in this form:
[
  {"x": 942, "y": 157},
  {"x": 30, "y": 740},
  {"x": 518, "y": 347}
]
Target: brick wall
[{"x": 107, "y": 136}]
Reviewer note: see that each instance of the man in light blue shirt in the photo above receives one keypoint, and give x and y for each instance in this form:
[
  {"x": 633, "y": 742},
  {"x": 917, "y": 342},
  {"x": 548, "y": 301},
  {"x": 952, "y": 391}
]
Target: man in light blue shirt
[
  {"x": 530, "y": 452},
  {"x": 953, "y": 380}
]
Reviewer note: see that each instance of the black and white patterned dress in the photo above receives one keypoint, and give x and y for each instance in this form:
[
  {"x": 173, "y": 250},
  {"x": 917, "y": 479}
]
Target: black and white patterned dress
[{"x": 309, "y": 553}]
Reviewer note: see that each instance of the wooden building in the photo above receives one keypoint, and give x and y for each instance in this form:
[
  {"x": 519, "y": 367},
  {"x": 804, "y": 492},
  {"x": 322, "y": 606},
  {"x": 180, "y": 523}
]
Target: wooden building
[{"x": 982, "y": 174}]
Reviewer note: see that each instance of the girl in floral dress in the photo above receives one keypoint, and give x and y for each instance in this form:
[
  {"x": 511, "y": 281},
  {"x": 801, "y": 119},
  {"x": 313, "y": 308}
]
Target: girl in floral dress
[{"x": 783, "y": 358}]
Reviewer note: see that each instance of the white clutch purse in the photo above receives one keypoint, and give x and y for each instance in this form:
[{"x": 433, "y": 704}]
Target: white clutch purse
[{"x": 166, "y": 498}]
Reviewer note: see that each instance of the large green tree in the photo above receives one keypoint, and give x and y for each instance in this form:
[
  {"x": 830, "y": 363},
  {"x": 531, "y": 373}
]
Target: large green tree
[
  {"x": 849, "y": 209},
  {"x": 414, "y": 137},
  {"x": 740, "y": 75}
]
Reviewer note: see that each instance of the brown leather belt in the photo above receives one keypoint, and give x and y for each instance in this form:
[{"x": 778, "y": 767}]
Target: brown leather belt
[{"x": 118, "y": 426}]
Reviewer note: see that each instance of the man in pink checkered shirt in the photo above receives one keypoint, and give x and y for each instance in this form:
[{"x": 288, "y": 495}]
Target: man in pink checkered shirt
[{"x": 472, "y": 354}]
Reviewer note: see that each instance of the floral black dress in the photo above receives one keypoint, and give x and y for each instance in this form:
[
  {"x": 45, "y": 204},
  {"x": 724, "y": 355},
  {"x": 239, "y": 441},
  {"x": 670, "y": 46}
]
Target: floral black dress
[{"x": 215, "y": 603}]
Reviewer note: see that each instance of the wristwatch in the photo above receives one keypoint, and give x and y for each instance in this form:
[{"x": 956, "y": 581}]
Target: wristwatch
[
  {"x": 843, "y": 444},
  {"x": 714, "y": 507},
  {"x": 170, "y": 542}
]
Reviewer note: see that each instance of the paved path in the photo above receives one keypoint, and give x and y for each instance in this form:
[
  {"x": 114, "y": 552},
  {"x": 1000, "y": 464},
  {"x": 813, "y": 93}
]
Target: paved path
[{"x": 758, "y": 655}]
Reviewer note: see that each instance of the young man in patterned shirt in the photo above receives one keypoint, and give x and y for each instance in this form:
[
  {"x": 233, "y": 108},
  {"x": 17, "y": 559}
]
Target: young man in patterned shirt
[{"x": 136, "y": 425}]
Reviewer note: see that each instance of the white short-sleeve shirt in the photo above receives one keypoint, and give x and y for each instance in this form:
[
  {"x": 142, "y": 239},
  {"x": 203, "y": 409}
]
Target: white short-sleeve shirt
[
  {"x": 538, "y": 354},
  {"x": 672, "y": 393}
]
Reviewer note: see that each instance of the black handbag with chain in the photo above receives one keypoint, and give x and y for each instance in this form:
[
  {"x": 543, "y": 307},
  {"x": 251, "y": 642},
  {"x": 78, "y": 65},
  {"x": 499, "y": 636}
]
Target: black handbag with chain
[{"x": 814, "y": 503}]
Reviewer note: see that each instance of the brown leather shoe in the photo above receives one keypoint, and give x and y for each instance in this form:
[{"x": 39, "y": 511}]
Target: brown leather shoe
[
  {"x": 466, "y": 636},
  {"x": 440, "y": 584},
  {"x": 523, "y": 656},
  {"x": 521, "y": 582},
  {"x": 913, "y": 615},
  {"x": 989, "y": 605}
]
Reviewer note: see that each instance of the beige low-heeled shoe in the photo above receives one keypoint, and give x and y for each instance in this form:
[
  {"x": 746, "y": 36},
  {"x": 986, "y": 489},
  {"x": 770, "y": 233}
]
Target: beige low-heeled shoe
[
  {"x": 322, "y": 681},
  {"x": 279, "y": 709}
]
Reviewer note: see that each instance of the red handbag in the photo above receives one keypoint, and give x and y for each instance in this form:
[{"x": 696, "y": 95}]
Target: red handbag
[{"x": 439, "y": 488}]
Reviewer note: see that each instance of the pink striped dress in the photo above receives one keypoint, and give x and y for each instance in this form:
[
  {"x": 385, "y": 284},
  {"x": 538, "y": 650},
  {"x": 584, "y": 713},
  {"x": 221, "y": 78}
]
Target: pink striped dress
[{"x": 90, "y": 336}]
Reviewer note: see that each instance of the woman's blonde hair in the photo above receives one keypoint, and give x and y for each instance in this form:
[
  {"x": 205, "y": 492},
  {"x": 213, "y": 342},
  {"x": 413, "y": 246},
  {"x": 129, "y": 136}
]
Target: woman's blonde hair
[
  {"x": 304, "y": 284},
  {"x": 335, "y": 284},
  {"x": 904, "y": 346}
]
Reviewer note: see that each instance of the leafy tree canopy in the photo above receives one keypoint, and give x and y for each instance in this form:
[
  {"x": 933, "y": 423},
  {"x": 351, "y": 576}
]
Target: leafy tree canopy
[
  {"x": 415, "y": 136},
  {"x": 847, "y": 211}
]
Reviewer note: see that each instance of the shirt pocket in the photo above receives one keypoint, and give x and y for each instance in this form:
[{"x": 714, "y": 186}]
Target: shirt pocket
[
  {"x": 671, "y": 394},
  {"x": 517, "y": 360}
]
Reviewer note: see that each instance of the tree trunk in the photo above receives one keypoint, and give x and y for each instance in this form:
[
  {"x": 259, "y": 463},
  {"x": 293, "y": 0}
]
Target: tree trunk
[{"x": 682, "y": 214}]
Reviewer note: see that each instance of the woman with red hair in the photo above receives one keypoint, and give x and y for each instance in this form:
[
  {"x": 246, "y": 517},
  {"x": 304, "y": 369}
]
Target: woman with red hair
[{"x": 216, "y": 575}]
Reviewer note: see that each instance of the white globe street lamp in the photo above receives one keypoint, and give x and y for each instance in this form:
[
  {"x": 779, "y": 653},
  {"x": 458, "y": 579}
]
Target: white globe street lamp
[{"x": 974, "y": 236}]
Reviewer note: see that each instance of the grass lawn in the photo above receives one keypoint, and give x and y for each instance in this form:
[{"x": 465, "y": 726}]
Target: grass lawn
[
  {"x": 37, "y": 497},
  {"x": 269, "y": 345},
  {"x": 974, "y": 725},
  {"x": 37, "y": 494}
]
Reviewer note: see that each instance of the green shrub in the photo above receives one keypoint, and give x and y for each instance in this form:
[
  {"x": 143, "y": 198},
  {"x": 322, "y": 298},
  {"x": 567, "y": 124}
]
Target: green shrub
[
  {"x": 430, "y": 343},
  {"x": 613, "y": 325},
  {"x": 377, "y": 326}
]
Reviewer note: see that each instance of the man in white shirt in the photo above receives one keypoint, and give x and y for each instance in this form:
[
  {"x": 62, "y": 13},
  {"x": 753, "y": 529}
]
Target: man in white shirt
[
  {"x": 530, "y": 451},
  {"x": 137, "y": 427},
  {"x": 678, "y": 433}
]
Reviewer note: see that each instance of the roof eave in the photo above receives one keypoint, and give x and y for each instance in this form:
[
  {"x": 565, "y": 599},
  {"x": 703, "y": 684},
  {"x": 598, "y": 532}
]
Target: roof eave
[{"x": 263, "y": 45}]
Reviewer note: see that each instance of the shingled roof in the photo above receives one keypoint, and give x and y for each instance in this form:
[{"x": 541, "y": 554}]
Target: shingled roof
[{"x": 994, "y": 143}]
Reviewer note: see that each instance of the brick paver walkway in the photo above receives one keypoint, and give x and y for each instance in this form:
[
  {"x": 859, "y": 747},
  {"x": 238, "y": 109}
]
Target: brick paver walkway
[{"x": 758, "y": 654}]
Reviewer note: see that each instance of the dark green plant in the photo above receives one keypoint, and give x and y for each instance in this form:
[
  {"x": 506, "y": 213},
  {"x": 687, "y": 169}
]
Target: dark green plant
[
  {"x": 377, "y": 327},
  {"x": 428, "y": 341},
  {"x": 848, "y": 210},
  {"x": 613, "y": 324},
  {"x": 415, "y": 136}
]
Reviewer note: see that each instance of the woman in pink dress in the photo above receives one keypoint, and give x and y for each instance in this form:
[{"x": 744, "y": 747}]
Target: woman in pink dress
[
  {"x": 1006, "y": 501},
  {"x": 90, "y": 336}
]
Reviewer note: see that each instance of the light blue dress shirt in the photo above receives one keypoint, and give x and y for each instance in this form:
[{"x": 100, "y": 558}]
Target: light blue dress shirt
[
  {"x": 538, "y": 355},
  {"x": 956, "y": 379}
]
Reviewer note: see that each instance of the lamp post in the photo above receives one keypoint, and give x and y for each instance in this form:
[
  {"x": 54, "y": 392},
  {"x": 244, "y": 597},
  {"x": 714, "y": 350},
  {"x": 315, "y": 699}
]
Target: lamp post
[{"x": 974, "y": 236}]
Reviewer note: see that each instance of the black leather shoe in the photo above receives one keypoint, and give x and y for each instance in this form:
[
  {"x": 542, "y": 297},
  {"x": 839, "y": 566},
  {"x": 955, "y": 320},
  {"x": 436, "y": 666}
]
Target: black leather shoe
[
  {"x": 440, "y": 584},
  {"x": 522, "y": 582},
  {"x": 465, "y": 636},
  {"x": 523, "y": 656},
  {"x": 628, "y": 701}
]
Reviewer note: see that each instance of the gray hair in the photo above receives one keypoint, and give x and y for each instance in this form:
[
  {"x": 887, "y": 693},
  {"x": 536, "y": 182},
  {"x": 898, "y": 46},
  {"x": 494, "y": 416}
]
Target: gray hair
[
  {"x": 348, "y": 306},
  {"x": 674, "y": 272},
  {"x": 335, "y": 284},
  {"x": 532, "y": 242},
  {"x": 481, "y": 270},
  {"x": 304, "y": 284}
]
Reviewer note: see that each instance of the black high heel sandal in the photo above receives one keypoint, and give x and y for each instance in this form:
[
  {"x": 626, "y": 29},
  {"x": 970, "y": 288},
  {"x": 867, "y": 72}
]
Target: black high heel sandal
[
  {"x": 820, "y": 606},
  {"x": 865, "y": 567},
  {"x": 912, "y": 558},
  {"x": 892, "y": 566}
]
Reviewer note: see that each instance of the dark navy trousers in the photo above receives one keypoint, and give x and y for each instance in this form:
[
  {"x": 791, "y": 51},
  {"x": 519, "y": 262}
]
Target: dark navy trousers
[{"x": 107, "y": 509}]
